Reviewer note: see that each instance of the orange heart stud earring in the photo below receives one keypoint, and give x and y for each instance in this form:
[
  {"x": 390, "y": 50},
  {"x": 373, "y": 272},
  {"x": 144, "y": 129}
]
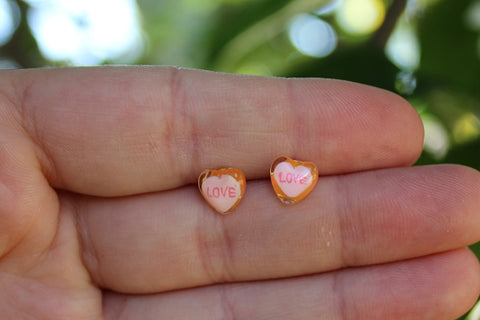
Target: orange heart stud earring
[
  {"x": 222, "y": 188},
  {"x": 292, "y": 180}
]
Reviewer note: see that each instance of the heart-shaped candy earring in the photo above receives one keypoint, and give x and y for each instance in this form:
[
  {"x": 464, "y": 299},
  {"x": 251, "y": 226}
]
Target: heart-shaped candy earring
[
  {"x": 222, "y": 188},
  {"x": 292, "y": 180}
]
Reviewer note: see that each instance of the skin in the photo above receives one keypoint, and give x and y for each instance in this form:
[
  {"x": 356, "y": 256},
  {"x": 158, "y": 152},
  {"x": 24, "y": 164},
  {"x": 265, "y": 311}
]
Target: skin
[{"x": 101, "y": 218}]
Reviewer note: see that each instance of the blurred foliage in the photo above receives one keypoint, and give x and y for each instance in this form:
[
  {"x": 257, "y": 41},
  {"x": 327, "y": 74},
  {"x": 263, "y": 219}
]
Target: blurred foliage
[{"x": 252, "y": 36}]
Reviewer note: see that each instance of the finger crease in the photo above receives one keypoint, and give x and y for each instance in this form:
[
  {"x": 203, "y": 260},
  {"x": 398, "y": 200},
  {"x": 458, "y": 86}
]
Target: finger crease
[
  {"x": 227, "y": 253},
  {"x": 90, "y": 256},
  {"x": 29, "y": 124},
  {"x": 338, "y": 289},
  {"x": 114, "y": 306},
  {"x": 227, "y": 309},
  {"x": 341, "y": 225},
  {"x": 181, "y": 133},
  {"x": 215, "y": 248}
]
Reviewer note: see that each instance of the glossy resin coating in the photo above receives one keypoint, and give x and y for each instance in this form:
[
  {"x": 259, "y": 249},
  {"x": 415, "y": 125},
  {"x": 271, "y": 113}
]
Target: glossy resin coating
[
  {"x": 222, "y": 188},
  {"x": 292, "y": 180}
]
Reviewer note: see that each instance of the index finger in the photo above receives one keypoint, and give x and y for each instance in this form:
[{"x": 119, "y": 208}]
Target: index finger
[{"x": 118, "y": 131}]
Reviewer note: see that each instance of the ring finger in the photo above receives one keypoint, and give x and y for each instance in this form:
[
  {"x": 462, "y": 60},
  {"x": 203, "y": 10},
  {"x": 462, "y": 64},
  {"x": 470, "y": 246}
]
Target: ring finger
[
  {"x": 171, "y": 240},
  {"x": 437, "y": 287}
]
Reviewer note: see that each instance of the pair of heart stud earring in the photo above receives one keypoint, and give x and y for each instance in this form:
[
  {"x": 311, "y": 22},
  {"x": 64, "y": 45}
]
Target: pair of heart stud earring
[{"x": 292, "y": 180}]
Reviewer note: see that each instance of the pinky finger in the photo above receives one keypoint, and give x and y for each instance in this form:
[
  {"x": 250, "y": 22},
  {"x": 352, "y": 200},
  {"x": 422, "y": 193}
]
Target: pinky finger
[{"x": 442, "y": 286}]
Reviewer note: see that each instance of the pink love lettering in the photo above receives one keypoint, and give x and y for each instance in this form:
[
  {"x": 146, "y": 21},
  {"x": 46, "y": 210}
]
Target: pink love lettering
[
  {"x": 293, "y": 181},
  {"x": 223, "y": 192},
  {"x": 292, "y": 177}
]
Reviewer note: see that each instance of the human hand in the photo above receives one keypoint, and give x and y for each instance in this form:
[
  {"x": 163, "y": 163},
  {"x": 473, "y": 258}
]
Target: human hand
[{"x": 101, "y": 218}]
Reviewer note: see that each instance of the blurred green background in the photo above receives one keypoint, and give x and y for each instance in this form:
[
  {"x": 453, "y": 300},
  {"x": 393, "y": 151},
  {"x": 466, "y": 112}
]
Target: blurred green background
[{"x": 426, "y": 50}]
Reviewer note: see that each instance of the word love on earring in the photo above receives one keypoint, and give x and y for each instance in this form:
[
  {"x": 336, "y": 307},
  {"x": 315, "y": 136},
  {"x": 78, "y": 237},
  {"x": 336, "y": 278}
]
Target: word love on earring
[
  {"x": 292, "y": 180},
  {"x": 222, "y": 188}
]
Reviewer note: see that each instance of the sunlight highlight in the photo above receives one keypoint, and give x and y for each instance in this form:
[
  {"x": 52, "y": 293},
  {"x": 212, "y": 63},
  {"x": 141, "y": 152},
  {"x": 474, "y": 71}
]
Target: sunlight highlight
[
  {"x": 87, "y": 32},
  {"x": 436, "y": 137},
  {"x": 466, "y": 128},
  {"x": 472, "y": 16},
  {"x": 360, "y": 17},
  {"x": 474, "y": 314},
  {"x": 9, "y": 18},
  {"x": 328, "y": 8},
  {"x": 403, "y": 48},
  {"x": 312, "y": 36}
]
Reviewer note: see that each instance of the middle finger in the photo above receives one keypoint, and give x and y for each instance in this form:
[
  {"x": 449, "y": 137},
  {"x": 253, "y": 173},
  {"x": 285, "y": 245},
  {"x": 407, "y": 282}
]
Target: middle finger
[{"x": 170, "y": 240}]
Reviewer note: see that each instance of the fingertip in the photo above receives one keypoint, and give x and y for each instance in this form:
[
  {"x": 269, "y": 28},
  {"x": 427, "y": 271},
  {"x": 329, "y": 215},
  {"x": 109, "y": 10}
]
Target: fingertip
[
  {"x": 463, "y": 269},
  {"x": 459, "y": 201},
  {"x": 405, "y": 131},
  {"x": 441, "y": 286},
  {"x": 383, "y": 127},
  {"x": 412, "y": 129}
]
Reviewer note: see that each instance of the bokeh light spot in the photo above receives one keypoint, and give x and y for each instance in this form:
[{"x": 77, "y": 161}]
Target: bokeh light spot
[
  {"x": 405, "y": 83},
  {"x": 474, "y": 314},
  {"x": 403, "y": 48},
  {"x": 360, "y": 17},
  {"x": 328, "y": 8},
  {"x": 9, "y": 19},
  {"x": 472, "y": 17},
  {"x": 436, "y": 137},
  {"x": 466, "y": 128},
  {"x": 312, "y": 36},
  {"x": 8, "y": 64},
  {"x": 478, "y": 47},
  {"x": 87, "y": 32}
]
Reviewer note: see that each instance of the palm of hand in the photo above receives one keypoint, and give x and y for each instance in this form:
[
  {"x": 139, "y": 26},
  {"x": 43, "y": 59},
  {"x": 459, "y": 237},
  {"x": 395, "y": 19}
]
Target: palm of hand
[{"x": 100, "y": 220}]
